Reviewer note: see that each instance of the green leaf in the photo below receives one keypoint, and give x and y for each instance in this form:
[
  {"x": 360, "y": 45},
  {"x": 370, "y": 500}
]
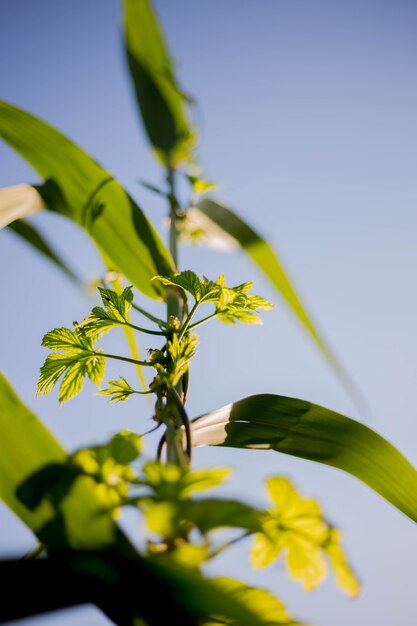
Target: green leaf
[
  {"x": 269, "y": 263},
  {"x": 262, "y": 602},
  {"x": 118, "y": 390},
  {"x": 202, "y": 290},
  {"x": 111, "y": 581},
  {"x": 160, "y": 99},
  {"x": 79, "y": 359},
  {"x": 213, "y": 513},
  {"x": 232, "y": 303},
  {"x": 117, "y": 307},
  {"x": 296, "y": 526},
  {"x": 34, "y": 238},
  {"x": 199, "y": 185},
  {"x": 80, "y": 189},
  {"x": 172, "y": 482},
  {"x": 309, "y": 431},
  {"x": 27, "y": 447}
]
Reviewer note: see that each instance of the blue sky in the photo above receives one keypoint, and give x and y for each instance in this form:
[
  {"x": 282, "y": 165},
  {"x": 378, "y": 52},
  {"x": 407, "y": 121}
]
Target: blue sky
[{"x": 307, "y": 113}]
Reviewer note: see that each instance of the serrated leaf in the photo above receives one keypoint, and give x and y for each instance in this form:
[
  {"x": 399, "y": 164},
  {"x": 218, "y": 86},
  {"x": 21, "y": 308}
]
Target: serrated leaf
[
  {"x": 117, "y": 307},
  {"x": 78, "y": 359},
  {"x": 202, "y": 290},
  {"x": 181, "y": 353},
  {"x": 161, "y": 101},
  {"x": 118, "y": 390},
  {"x": 296, "y": 527},
  {"x": 310, "y": 431},
  {"x": 77, "y": 187}
]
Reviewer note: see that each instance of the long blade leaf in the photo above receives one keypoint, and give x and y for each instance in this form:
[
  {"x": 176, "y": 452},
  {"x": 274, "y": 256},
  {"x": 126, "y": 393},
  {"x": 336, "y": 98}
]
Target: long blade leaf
[
  {"x": 310, "y": 431},
  {"x": 27, "y": 446},
  {"x": 269, "y": 263},
  {"x": 79, "y": 188},
  {"x": 34, "y": 238},
  {"x": 160, "y": 100}
]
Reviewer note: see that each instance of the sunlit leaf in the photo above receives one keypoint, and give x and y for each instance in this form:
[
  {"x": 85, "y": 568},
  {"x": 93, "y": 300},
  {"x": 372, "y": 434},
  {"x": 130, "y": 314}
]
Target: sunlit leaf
[
  {"x": 27, "y": 447},
  {"x": 263, "y": 603},
  {"x": 171, "y": 482},
  {"x": 309, "y": 431},
  {"x": 115, "y": 311},
  {"x": 161, "y": 101},
  {"x": 296, "y": 527},
  {"x": 118, "y": 390},
  {"x": 77, "y": 187},
  {"x": 202, "y": 290},
  {"x": 232, "y": 303},
  {"x": 78, "y": 358}
]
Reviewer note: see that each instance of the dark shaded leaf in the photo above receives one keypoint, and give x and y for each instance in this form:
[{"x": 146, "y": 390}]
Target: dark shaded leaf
[
  {"x": 122, "y": 587},
  {"x": 160, "y": 100}
]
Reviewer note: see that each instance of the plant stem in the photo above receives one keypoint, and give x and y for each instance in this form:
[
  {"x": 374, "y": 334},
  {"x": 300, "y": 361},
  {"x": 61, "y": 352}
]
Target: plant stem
[
  {"x": 187, "y": 321},
  {"x": 227, "y": 544},
  {"x": 173, "y": 435},
  {"x": 124, "y": 358},
  {"x": 148, "y": 315},
  {"x": 203, "y": 320},
  {"x": 144, "y": 330}
]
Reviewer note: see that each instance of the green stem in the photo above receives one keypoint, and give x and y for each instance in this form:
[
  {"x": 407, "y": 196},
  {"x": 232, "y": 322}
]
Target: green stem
[
  {"x": 227, "y": 544},
  {"x": 124, "y": 358},
  {"x": 173, "y": 205},
  {"x": 187, "y": 321},
  {"x": 144, "y": 330},
  {"x": 204, "y": 320},
  {"x": 173, "y": 435},
  {"x": 148, "y": 315}
]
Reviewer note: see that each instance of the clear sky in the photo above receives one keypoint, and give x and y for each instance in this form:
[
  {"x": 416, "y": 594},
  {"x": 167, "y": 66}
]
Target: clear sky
[{"x": 308, "y": 121}]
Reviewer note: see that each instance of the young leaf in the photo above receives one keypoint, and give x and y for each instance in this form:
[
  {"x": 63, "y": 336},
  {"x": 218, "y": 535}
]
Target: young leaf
[
  {"x": 172, "y": 482},
  {"x": 116, "y": 310},
  {"x": 181, "y": 353},
  {"x": 310, "y": 431},
  {"x": 199, "y": 185},
  {"x": 202, "y": 290},
  {"x": 118, "y": 390},
  {"x": 160, "y": 99},
  {"x": 79, "y": 188},
  {"x": 78, "y": 358},
  {"x": 232, "y": 303}
]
